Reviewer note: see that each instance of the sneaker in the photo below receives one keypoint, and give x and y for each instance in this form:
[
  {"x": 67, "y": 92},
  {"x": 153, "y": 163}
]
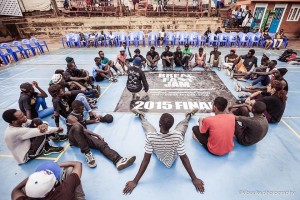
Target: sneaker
[
  {"x": 242, "y": 79},
  {"x": 243, "y": 95},
  {"x": 237, "y": 87},
  {"x": 110, "y": 80},
  {"x": 219, "y": 68},
  {"x": 228, "y": 72},
  {"x": 52, "y": 150},
  {"x": 90, "y": 160},
  {"x": 137, "y": 112},
  {"x": 192, "y": 112},
  {"x": 115, "y": 80},
  {"x": 59, "y": 138},
  {"x": 125, "y": 162}
]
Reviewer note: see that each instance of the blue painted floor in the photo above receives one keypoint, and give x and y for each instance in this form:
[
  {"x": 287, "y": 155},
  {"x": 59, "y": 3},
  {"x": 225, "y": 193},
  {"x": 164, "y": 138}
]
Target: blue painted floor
[{"x": 272, "y": 165}]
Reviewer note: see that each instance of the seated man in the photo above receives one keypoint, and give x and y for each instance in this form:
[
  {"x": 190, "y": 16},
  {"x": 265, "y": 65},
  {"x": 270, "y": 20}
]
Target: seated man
[
  {"x": 62, "y": 102},
  {"x": 215, "y": 58},
  {"x": 253, "y": 129},
  {"x": 167, "y": 58},
  {"x": 105, "y": 61},
  {"x": 121, "y": 62},
  {"x": 262, "y": 74},
  {"x": 178, "y": 57},
  {"x": 152, "y": 58},
  {"x": 230, "y": 60},
  {"x": 101, "y": 72},
  {"x": 27, "y": 143},
  {"x": 136, "y": 79},
  {"x": 59, "y": 79},
  {"x": 242, "y": 68},
  {"x": 80, "y": 76},
  {"x": 91, "y": 40},
  {"x": 167, "y": 145},
  {"x": 187, "y": 57},
  {"x": 215, "y": 133},
  {"x": 278, "y": 39},
  {"x": 138, "y": 54},
  {"x": 30, "y": 101},
  {"x": 85, "y": 139},
  {"x": 50, "y": 182},
  {"x": 200, "y": 58}
]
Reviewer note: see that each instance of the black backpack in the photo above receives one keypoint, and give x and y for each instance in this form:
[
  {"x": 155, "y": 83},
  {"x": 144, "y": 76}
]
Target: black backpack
[{"x": 285, "y": 55}]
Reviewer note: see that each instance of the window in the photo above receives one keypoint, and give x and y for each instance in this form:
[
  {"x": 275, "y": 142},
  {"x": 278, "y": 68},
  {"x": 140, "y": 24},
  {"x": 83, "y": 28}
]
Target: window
[{"x": 294, "y": 13}]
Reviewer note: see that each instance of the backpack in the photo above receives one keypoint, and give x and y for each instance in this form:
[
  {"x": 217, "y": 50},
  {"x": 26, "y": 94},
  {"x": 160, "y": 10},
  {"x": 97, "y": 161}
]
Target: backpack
[{"x": 287, "y": 53}]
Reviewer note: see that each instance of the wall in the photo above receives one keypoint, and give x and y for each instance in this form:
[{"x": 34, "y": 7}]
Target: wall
[
  {"x": 290, "y": 26},
  {"x": 56, "y": 27}
]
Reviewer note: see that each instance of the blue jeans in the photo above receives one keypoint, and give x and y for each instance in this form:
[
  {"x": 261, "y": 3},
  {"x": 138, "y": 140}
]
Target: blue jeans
[
  {"x": 81, "y": 97},
  {"x": 40, "y": 101}
]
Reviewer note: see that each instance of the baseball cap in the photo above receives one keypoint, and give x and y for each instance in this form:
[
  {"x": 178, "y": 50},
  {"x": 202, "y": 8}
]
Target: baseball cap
[
  {"x": 137, "y": 62},
  {"x": 69, "y": 59},
  {"x": 39, "y": 184},
  {"x": 52, "y": 166},
  {"x": 268, "y": 54},
  {"x": 56, "y": 78}
]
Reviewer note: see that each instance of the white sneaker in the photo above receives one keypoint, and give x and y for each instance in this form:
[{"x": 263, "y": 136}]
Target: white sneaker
[
  {"x": 192, "y": 112},
  {"x": 237, "y": 87},
  {"x": 125, "y": 162},
  {"x": 90, "y": 160}
]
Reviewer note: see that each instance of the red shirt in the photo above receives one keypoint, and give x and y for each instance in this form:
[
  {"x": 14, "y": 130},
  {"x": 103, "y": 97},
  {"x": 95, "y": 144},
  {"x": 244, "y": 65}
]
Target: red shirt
[{"x": 221, "y": 130}]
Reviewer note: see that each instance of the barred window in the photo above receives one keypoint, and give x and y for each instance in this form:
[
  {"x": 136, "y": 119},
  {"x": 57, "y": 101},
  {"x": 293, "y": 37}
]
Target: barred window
[{"x": 294, "y": 13}]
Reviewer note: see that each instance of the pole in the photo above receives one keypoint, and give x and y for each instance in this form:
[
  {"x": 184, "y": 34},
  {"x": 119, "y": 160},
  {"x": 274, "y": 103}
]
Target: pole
[
  {"x": 209, "y": 8},
  {"x": 55, "y": 8}
]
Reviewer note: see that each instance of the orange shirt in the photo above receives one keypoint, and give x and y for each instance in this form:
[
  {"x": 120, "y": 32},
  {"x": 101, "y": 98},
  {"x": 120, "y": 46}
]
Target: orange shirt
[
  {"x": 221, "y": 131},
  {"x": 122, "y": 57}
]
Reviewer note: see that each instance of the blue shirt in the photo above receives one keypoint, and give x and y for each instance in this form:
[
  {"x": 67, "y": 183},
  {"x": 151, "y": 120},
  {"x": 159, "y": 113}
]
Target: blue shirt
[{"x": 101, "y": 67}]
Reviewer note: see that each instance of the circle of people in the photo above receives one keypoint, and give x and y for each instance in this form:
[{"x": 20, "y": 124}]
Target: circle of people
[{"x": 74, "y": 96}]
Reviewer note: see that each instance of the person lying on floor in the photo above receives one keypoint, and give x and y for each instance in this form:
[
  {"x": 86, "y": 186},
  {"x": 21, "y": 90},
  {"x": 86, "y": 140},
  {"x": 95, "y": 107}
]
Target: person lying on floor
[
  {"x": 215, "y": 133},
  {"x": 62, "y": 103},
  {"x": 52, "y": 181},
  {"x": 252, "y": 129},
  {"x": 167, "y": 145},
  {"x": 85, "y": 139},
  {"x": 31, "y": 101},
  {"x": 26, "y": 143}
]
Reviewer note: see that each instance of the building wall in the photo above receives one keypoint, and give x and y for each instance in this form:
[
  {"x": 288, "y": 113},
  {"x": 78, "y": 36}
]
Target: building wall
[{"x": 290, "y": 27}]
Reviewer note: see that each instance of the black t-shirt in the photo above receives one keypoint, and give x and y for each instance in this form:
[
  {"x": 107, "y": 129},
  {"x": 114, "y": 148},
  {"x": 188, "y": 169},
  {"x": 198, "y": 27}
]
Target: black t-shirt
[
  {"x": 216, "y": 54},
  {"x": 152, "y": 54},
  {"x": 166, "y": 54},
  {"x": 136, "y": 80},
  {"x": 256, "y": 129},
  {"x": 249, "y": 62},
  {"x": 140, "y": 56},
  {"x": 74, "y": 73},
  {"x": 61, "y": 105},
  {"x": 275, "y": 107},
  {"x": 27, "y": 102},
  {"x": 80, "y": 118},
  {"x": 177, "y": 54}
]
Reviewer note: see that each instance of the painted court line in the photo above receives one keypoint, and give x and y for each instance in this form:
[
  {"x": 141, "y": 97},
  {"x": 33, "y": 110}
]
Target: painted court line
[
  {"x": 293, "y": 131},
  {"x": 291, "y": 117},
  {"x": 105, "y": 90},
  {"x": 38, "y": 158},
  {"x": 16, "y": 75},
  {"x": 61, "y": 153}
]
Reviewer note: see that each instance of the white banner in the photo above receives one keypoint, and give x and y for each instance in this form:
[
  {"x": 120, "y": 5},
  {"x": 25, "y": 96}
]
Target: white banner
[
  {"x": 31, "y": 5},
  {"x": 10, "y": 8}
]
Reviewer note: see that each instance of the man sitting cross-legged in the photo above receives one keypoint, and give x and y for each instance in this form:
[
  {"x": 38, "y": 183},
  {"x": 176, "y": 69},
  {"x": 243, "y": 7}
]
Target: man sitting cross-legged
[
  {"x": 215, "y": 133},
  {"x": 253, "y": 129},
  {"x": 152, "y": 58},
  {"x": 166, "y": 145},
  {"x": 85, "y": 139},
  {"x": 26, "y": 143},
  {"x": 167, "y": 58},
  {"x": 52, "y": 181}
]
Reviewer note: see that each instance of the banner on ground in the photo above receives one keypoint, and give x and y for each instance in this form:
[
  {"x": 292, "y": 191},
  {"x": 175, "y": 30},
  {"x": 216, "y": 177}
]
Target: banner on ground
[{"x": 177, "y": 92}]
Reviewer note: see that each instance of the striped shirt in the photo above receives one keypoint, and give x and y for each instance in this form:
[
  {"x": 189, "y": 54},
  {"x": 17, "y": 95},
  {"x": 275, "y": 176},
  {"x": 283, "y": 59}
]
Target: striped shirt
[{"x": 165, "y": 146}]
